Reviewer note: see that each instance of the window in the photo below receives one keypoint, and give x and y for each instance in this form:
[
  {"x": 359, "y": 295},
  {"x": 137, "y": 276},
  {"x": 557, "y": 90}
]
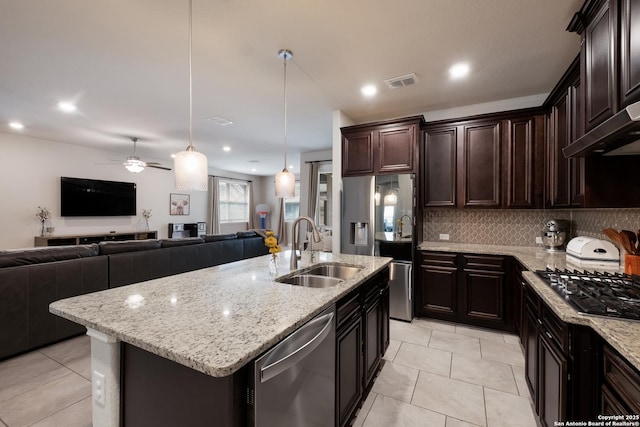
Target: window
[
  {"x": 292, "y": 205},
  {"x": 234, "y": 201}
]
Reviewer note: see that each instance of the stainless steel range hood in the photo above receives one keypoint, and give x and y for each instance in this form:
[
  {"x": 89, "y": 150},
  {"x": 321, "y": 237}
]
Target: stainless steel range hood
[{"x": 618, "y": 135}]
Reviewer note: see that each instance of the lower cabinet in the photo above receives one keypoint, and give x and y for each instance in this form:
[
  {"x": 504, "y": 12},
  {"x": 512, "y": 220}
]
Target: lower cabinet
[
  {"x": 560, "y": 361},
  {"x": 465, "y": 288},
  {"x": 621, "y": 385},
  {"x": 362, "y": 337}
]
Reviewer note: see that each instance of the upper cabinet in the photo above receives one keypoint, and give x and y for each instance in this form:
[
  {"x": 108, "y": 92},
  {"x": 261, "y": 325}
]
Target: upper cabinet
[
  {"x": 381, "y": 148},
  {"x": 610, "y": 57},
  {"x": 488, "y": 162}
]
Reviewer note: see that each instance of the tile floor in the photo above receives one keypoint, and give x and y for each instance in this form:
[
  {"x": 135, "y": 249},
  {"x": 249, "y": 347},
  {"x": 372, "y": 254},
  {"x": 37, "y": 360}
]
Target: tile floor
[
  {"x": 440, "y": 374},
  {"x": 436, "y": 374}
]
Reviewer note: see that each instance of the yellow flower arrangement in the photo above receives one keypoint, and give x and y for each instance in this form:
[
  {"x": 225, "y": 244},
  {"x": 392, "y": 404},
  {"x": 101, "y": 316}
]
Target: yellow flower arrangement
[{"x": 272, "y": 243}]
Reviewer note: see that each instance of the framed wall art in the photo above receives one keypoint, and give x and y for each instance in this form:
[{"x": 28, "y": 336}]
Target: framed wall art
[{"x": 178, "y": 204}]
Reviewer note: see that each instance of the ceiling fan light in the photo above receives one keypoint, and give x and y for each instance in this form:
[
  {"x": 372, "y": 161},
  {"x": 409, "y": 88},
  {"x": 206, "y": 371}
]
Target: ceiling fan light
[
  {"x": 285, "y": 184},
  {"x": 191, "y": 171},
  {"x": 134, "y": 165}
]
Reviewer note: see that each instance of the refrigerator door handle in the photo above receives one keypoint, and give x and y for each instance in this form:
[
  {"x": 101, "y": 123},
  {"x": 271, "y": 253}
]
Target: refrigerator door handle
[
  {"x": 410, "y": 282},
  {"x": 300, "y": 350}
]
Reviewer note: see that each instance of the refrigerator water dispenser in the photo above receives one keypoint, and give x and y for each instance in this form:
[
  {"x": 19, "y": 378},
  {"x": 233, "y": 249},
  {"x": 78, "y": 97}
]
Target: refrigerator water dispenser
[{"x": 359, "y": 233}]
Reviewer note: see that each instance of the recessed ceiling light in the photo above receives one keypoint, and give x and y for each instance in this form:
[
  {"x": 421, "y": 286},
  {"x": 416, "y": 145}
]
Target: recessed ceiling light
[
  {"x": 369, "y": 90},
  {"x": 290, "y": 166},
  {"x": 67, "y": 107},
  {"x": 226, "y": 148},
  {"x": 220, "y": 121},
  {"x": 16, "y": 125},
  {"x": 253, "y": 170},
  {"x": 173, "y": 156},
  {"x": 459, "y": 70}
]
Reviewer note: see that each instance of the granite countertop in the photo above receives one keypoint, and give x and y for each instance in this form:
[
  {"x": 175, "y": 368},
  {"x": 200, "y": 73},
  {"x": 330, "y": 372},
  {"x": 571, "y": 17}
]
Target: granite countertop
[
  {"x": 213, "y": 320},
  {"x": 623, "y": 335}
]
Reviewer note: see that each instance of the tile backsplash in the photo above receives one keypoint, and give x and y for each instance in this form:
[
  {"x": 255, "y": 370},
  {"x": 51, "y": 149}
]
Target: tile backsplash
[{"x": 521, "y": 227}]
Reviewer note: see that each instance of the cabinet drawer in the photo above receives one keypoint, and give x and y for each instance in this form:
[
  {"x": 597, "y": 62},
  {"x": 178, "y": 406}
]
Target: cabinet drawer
[
  {"x": 479, "y": 262},
  {"x": 438, "y": 258},
  {"x": 558, "y": 329},
  {"x": 347, "y": 309},
  {"x": 623, "y": 379}
]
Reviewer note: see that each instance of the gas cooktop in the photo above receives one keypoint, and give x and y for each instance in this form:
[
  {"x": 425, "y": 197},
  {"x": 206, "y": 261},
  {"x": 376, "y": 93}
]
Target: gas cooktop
[{"x": 602, "y": 294}]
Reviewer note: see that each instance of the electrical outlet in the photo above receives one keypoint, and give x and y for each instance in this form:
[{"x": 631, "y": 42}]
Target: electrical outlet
[
  {"x": 99, "y": 386},
  {"x": 538, "y": 240},
  {"x": 444, "y": 237}
]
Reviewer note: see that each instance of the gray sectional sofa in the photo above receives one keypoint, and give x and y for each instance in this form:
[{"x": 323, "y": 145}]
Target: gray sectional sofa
[{"x": 31, "y": 279}]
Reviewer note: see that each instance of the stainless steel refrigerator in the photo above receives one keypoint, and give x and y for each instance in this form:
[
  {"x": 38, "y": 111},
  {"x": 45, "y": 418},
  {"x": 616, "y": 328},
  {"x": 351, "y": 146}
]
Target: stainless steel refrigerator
[{"x": 377, "y": 219}]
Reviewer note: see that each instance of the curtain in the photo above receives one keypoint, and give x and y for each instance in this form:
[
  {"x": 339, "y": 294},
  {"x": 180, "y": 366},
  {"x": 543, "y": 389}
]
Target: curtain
[
  {"x": 252, "y": 208},
  {"x": 282, "y": 225},
  {"x": 313, "y": 190},
  {"x": 213, "y": 214}
]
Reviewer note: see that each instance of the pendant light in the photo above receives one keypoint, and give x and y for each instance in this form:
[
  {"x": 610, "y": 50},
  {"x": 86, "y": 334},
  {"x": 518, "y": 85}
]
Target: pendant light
[
  {"x": 391, "y": 198},
  {"x": 191, "y": 169},
  {"x": 285, "y": 180}
]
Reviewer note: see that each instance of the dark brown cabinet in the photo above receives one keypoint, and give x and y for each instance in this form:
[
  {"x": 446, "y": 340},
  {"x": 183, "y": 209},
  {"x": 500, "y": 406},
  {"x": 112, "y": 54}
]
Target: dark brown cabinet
[
  {"x": 381, "y": 148},
  {"x": 480, "y": 183},
  {"x": 629, "y": 52},
  {"x": 362, "y": 337},
  {"x": 621, "y": 385},
  {"x": 470, "y": 289},
  {"x": 437, "y": 293},
  {"x": 486, "y": 162},
  {"x": 610, "y": 57},
  {"x": 439, "y": 163},
  {"x": 560, "y": 361},
  {"x": 598, "y": 66}
]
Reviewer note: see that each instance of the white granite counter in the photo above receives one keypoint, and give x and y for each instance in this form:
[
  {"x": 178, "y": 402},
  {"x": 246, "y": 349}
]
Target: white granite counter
[
  {"x": 213, "y": 320},
  {"x": 623, "y": 335}
]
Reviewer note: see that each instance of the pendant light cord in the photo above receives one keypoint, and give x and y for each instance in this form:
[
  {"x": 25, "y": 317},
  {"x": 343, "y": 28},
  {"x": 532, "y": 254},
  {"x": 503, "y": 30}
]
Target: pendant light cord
[
  {"x": 285, "y": 111},
  {"x": 190, "y": 148}
]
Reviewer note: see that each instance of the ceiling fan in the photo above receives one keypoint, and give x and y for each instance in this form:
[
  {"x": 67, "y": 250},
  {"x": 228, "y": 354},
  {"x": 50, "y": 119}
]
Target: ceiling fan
[{"x": 135, "y": 165}]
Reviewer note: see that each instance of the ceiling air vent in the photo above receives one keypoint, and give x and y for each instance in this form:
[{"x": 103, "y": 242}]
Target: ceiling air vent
[{"x": 402, "y": 81}]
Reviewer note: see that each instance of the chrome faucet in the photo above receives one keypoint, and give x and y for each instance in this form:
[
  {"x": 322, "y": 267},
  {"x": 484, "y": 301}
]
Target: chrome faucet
[
  {"x": 402, "y": 224},
  {"x": 294, "y": 241}
]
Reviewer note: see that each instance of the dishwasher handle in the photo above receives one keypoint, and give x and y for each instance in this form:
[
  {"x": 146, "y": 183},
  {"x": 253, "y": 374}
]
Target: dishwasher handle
[{"x": 299, "y": 352}]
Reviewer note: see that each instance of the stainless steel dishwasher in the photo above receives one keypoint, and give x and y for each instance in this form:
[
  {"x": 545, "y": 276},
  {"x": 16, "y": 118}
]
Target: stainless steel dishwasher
[{"x": 293, "y": 384}]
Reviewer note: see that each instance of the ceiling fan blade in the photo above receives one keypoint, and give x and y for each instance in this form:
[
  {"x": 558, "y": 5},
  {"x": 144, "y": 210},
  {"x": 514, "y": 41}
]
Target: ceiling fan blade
[{"x": 158, "y": 166}]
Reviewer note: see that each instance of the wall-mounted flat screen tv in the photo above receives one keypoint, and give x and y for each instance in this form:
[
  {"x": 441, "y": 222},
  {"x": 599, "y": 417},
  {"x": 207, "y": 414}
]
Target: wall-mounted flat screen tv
[{"x": 92, "y": 197}]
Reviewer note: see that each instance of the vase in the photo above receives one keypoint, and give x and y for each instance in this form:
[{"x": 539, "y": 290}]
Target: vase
[
  {"x": 146, "y": 224},
  {"x": 273, "y": 266},
  {"x": 42, "y": 229}
]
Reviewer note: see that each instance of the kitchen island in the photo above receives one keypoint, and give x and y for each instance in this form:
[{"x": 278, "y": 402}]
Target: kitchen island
[{"x": 212, "y": 321}]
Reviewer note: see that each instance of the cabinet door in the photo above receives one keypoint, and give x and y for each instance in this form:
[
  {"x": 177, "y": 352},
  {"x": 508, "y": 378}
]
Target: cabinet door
[
  {"x": 629, "y": 52},
  {"x": 348, "y": 370},
  {"x": 530, "y": 325},
  {"x": 558, "y": 175},
  {"x": 396, "y": 149},
  {"x": 438, "y": 292},
  {"x": 553, "y": 382},
  {"x": 481, "y": 166},
  {"x": 519, "y": 165},
  {"x": 372, "y": 339},
  {"x": 598, "y": 69},
  {"x": 440, "y": 167},
  {"x": 483, "y": 298},
  {"x": 384, "y": 299},
  {"x": 357, "y": 153},
  {"x": 576, "y": 130}
]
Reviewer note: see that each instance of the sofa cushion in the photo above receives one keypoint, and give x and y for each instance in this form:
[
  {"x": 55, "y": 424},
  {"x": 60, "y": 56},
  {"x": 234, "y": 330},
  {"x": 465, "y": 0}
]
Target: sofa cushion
[
  {"x": 107, "y": 248},
  {"x": 13, "y": 258},
  {"x": 218, "y": 237},
  {"x": 169, "y": 243},
  {"x": 244, "y": 234}
]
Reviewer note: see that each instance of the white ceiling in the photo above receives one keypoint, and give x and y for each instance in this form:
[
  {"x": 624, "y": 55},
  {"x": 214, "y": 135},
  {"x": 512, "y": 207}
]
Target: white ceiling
[{"x": 125, "y": 63}]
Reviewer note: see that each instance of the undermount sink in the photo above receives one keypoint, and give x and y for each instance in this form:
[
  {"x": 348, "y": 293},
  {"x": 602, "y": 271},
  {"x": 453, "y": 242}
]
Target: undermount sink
[
  {"x": 311, "y": 281},
  {"x": 343, "y": 272}
]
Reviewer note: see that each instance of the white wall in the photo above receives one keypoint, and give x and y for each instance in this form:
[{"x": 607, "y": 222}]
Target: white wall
[{"x": 30, "y": 177}]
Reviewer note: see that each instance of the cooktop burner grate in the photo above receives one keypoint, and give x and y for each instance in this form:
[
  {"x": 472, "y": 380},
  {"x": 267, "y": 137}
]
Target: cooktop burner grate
[{"x": 603, "y": 294}]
